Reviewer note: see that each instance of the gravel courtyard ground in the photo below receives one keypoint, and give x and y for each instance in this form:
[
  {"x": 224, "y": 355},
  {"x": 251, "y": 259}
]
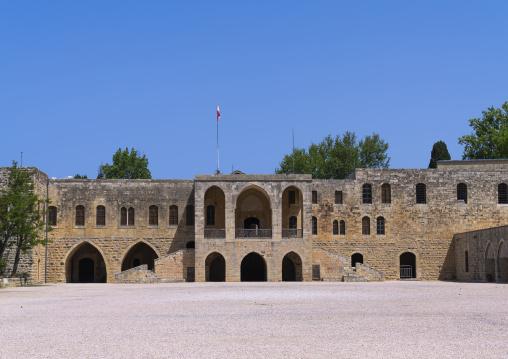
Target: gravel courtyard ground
[{"x": 256, "y": 320}]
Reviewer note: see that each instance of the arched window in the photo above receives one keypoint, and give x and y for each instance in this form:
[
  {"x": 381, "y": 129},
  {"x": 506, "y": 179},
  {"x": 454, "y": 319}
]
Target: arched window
[
  {"x": 293, "y": 222},
  {"x": 342, "y": 228},
  {"x": 100, "y": 216},
  {"x": 462, "y": 192},
  {"x": 314, "y": 225},
  {"x": 380, "y": 225},
  {"x": 173, "y": 215},
  {"x": 421, "y": 193},
  {"x": 80, "y": 215},
  {"x": 366, "y": 226},
  {"x": 367, "y": 193},
  {"x": 386, "y": 193},
  {"x": 189, "y": 218},
  {"x": 123, "y": 216},
  {"x": 52, "y": 216},
  {"x": 210, "y": 215},
  {"x": 502, "y": 193},
  {"x": 153, "y": 215},
  {"x": 335, "y": 228},
  {"x": 130, "y": 216}
]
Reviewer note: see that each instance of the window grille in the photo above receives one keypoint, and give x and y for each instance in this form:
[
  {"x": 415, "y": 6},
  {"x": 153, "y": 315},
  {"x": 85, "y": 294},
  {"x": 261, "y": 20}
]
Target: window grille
[
  {"x": 292, "y": 222},
  {"x": 462, "y": 192},
  {"x": 338, "y": 197},
  {"x": 367, "y": 193},
  {"x": 190, "y": 215},
  {"x": 52, "y": 216},
  {"x": 314, "y": 225},
  {"x": 421, "y": 193},
  {"x": 153, "y": 215},
  {"x": 366, "y": 226},
  {"x": 173, "y": 215},
  {"x": 335, "y": 228},
  {"x": 502, "y": 193},
  {"x": 80, "y": 215},
  {"x": 130, "y": 216},
  {"x": 342, "y": 228},
  {"x": 380, "y": 225},
  {"x": 386, "y": 195},
  {"x": 100, "y": 216},
  {"x": 210, "y": 215},
  {"x": 314, "y": 197},
  {"x": 123, "y": 216}
]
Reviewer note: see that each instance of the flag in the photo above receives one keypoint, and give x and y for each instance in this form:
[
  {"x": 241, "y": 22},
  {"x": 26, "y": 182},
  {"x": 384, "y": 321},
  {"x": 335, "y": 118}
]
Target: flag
[{"x": 218, "y": 113}]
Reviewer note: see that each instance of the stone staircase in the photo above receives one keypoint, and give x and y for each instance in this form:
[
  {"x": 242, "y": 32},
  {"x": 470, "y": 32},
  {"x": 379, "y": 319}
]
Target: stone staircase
[{"x": 139, "y": 274}]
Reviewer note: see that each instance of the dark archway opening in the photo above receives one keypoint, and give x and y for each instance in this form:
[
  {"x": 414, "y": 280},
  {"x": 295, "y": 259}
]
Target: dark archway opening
[
  {"x": 215, "y": 268},
  {"x": 356, "y": 258},
  {"x": 251, "y": 223},
  {"x": 253, "y": 268},
  {"x": 190, "y": 245},
  {"x": 139, "y": 254},
  {"x": 85, "y": 265},
  {"x": 407, "y": 262},
  {"x": 292, "y": 267},
  {"x": 490, "y": 264},
  {"x": 86, "y": 269}
]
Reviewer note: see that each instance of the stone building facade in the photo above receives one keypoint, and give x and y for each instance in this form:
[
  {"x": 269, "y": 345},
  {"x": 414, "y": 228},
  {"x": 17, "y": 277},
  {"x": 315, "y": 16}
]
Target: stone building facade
[{"x": 376, "y": 224}]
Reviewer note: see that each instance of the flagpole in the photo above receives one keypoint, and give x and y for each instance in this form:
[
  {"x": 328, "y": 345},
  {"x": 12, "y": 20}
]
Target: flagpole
[{"x": 218, "y": 146}]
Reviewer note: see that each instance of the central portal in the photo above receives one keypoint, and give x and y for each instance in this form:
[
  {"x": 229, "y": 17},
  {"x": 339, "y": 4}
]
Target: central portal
[{"x": 253, "y": 268}]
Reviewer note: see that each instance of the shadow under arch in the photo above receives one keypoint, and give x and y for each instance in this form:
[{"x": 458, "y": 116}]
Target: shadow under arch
[
  {"x": 292, "y": 268},
  {"x": 502, "y": 262},
  {"x": 490, "y": 263},
  {"x": 253, "y": 209},
  {"x": 140, "y": 252},
  {"x": 214, "y": 208},
  {"x": 215, "y": 267},
  {"x": 85, "y": 263},
  {"x": 253, "y": 268},
  {"x": 292, "y": 212}
]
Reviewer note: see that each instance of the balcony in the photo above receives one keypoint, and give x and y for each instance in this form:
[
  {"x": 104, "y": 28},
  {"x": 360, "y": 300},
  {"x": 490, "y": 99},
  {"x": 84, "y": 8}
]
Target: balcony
[
  {"x": 292, "y": 233},
  {"x": 253, "y": 233},
  {"x": 215, "y": 233}
]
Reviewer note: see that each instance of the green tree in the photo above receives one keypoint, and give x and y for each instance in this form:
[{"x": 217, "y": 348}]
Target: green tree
[
  {"x": 127, "y": 165},
  {"x": 439, "y": 152},
  {"x": 78, "y": 176},
  {"x": 21, "y": 221},
  {"x": 489, "y": 138},
  {"x": 337, "y": 157}
]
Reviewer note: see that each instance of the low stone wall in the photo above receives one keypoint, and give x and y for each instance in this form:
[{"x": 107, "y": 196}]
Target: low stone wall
[
  {"x": 139, "y": 274},
  {"x": 174, "y": 266}
]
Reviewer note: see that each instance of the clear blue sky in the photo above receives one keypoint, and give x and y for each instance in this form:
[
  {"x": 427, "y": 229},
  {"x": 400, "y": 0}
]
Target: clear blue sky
[{"x": 79, "y": 79}]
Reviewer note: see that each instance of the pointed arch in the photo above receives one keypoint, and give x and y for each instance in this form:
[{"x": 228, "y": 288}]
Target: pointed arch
[
  {"x": 292, "y": 267},
  {"x": 85, "y": 263},
  {"x": 253, "y": 268},
  {"x": 139, "y": 252},
  {"x": 215, "y": 267},
  {"x": 490, "y": 263}
]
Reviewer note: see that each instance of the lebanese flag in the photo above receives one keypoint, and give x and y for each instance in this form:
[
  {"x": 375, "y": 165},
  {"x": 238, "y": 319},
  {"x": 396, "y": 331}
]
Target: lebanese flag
[{"x": 218, "y": 113}]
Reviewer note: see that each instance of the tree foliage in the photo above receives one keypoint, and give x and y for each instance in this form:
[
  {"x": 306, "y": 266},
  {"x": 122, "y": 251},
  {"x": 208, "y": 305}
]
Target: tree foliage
[
  {"x": 78, "y": 176},
  {"x": 127, "y": 165},
  {"x": 439, "y": 152},
  {"x": 337, "y": 157},
  {"x": 21, "y": 223},
  {"x": 489, "y": 138}
]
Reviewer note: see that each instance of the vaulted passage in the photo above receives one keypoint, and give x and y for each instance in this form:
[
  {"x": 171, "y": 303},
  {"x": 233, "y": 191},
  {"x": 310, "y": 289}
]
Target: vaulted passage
[
  {"x": 291, "y": 267},
  {"x": 215, "y": 268},
  {"x": 407, "y": 265},
  {"x": 85, "y": 265},
  {"x": 490, "y": 265},
  {"x": 253, "y": 268},
  {"x": 139, "y": 254},
  {"x": 356, "y": 258},
  {"x": 502, "y": 263}
]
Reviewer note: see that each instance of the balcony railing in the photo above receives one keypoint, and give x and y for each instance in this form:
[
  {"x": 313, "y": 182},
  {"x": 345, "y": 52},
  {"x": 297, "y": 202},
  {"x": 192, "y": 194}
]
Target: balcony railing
[
  {"x": 215, "y": 233},
  {"x": 292, "y": 233},
  {"x": 253, "y": 233}
]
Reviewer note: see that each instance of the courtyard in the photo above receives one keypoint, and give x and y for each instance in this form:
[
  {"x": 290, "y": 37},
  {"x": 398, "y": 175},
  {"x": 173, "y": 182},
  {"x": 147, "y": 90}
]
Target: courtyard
[{"x": 392, "y": 319}]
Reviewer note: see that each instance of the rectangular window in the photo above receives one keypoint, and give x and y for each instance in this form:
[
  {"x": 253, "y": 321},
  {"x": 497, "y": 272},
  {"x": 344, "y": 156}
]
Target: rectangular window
[
  {"x": 314, "y": 197},
  {"x": 316, "y": 272},
  {"x": 292, "y": 197},
  {"x": 338, "y": 197}
]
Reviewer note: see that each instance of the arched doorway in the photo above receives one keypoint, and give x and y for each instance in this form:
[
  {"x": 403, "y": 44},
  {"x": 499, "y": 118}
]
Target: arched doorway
[
  {"x": 502, "y": 263},
  {"x": 407, "y": 263},
  {"x": 292, "y": 213},
  {"x": 215, "y": 268},
  {"x": 356, "y": 258},
  {"x": 253, "y": 268},
  {"x": 490, "y": 265},
  {"x": 292, "y": 267},
  {"x": 85, "y": 265},
  {"x": 140, "y": 253},
  {"x": 253, "y": 214}
]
